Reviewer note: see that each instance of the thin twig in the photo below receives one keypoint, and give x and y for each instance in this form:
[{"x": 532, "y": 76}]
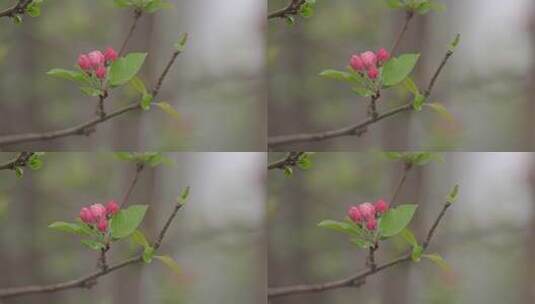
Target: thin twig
[
  {"x": 17, "y": 9},
  {"x": 290, "y": 160},
  {"x": 86, "y": 281},
  {"x": 85, "y": 128},
  {"x": 168, "y": 66},
  {"x": 357, "y": 279},
  {"x": 137, "y": 15},
  {"x": 406, "y": 168},
  {"x": 126, "y": 196},
  {"x": 408, "y": 17},
  {"x": 291, "y": 9},
  {"x": 357, "y": 129},
  {"x": 21, "y": 161}
]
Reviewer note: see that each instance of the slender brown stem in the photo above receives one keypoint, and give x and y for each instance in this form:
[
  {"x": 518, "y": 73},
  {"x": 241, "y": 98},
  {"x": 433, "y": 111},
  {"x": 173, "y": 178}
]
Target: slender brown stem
[
  {"x": 357, "y": 279},
  {"x": 20, "y": 161},
  {"x": 17, "y": 9},
  {"x": 406, "y": 168},
  {"x": 88, "y": 280},
  {"x": 137, "y": 15},
  {"x": 408, "y": 17},
  {"x": 126, "y": 196},
  {"x": 291, "y": 9},
  {"x": 290, "y": 160}
]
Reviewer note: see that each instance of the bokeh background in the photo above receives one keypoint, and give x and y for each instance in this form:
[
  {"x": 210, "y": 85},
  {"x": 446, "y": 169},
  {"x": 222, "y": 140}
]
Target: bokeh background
[
  {"x": 218, "y": 238},
  {"x": 486, "y": 237},
  {"x": 217, "y": 85},
  {"x": 487, "y": 86}
]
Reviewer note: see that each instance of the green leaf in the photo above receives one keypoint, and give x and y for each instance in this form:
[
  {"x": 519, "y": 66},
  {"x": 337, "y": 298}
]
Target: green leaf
[
  {"x": 304, "y": 162},
  {"x": 364, "y": 92},
  {"x": 409, "y": 84},
  {"x": 394, "y": 155},
  {"x": 418, "y": 102},
  {"x": 19, "y": 172},
  {"x": 146, "y": 101},
  {"x": 35, "y": 162},
  {"x": 352, "y": 78},
  {"x": 397, "y": 69},
  {"x": 123, "y": 3},
  {"x": 92, "y": 244},
  {"x": 344, "y": 227},
  {"x": 65, "y": 227},
  {"x": 90, "y": 91},
  {"x": 125, "y": 155},
  {"x": 416, "y": 253},
  {"x": 167, "y": 108},
  {"x": 124, "y": 69},
  {"x": 169, "y": 262},
  {"x": 396, "y": 219},
  {"x": 452, "y": 196},
  {"x": 453, "y": 45},
  {"x": 126, "y": 221},
  {"x": 67, "y": 74},
  {"x": 181, "y": 200},
  {"x": 441, "y": 110},
  {"x": 361, "y": 243},
  {"x": 437, "y": 259},
  {"x": 394, "y": 3},
  {"x": 148, "y": 253},
  {"x": 138, "y": 85},
  {"x": 139, "y": 238},
  {"x": 408, "y": 236},
  {"x": 288, "y": 171},
  {"x": 180, "y": 45}
]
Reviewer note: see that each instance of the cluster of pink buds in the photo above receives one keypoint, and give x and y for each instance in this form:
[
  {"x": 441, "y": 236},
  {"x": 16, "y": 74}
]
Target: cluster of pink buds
[
  {"x": 98, "y": 215},
  {"x": 369, "y": 62},
  {"x": 96, "y": 62},
  {"x": 366, "y": 214}
]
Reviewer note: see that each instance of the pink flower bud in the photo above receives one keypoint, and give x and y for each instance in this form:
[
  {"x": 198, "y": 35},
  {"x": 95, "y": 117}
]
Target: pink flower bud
[
  {"x": 86, "y": 216},
  {"x": 356, "y": 63},
  {"x": 382, "y": 55},
  {"x": 373, "y": 72},
  {"x": 98, "y": 211},
  {"x": 369, "y": 59},
  {"x": 381, "y": 207},
  {"x": 101, "y": 72},
  {"x": 96, "y": 58},
  {"x": 111, "y": 208},
  {"x": 354, "y": 214},
  {"x": 102, "y": 225},
  {"x": 110, "y": 54},
  {"x": 367, "y": 211},
  {"x": 84, "y": 62},
  {"x": 371, "y": 224}
]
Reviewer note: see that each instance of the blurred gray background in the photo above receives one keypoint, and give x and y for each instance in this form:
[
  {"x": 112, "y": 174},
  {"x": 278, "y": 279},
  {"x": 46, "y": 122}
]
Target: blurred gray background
[
  {"x": 218, "y": 238},
  {"x": 217, "y": 85},
  {"x": 486, "y": 237}
]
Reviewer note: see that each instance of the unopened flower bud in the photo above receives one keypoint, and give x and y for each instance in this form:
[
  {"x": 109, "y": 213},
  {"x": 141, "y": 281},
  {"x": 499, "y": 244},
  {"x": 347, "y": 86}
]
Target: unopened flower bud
[
  {"x": 86, "y": 216},
  {"x": 112, "y": 208},
  {"x": 367, "y": 211},
  {"x": 382, "y": 55},
  {"x": 371, "y": 224},
  {"x": 354, "y": 214},
  {"x": 356, "y": 63},
  {"x": 96, "y": 58},
  {"x": 373, "y": 72},
  {"x": 84, "y": 62},
  {"x": 102, "y": 225},
  {"x": 369, "y": 59},
  {"x": 98, "y": 211},
  {"x": 110, "y": 54},
  {"x": 101, "y": 72},
  {"x": 381, "y": 207}
]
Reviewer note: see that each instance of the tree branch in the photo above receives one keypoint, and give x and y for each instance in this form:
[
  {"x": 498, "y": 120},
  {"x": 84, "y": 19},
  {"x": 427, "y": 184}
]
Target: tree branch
[
  {"x": 21, "y": 161},
  {"x": 406, "y": 168},
  {"x": 291, "y": 9},
  {"x": 408, "y": 17},
  {"x": 137, "y": 15},
  {"x": 126, "y": 196},
  {"x": 88, "y": 280},
  {"x": 357, "y": 279},
  {"x": 17, "y": 9},
  {"x": 359, "y": 128},
  {"x": 289, "y": 161},
  {"x": 85, "y": 128}
]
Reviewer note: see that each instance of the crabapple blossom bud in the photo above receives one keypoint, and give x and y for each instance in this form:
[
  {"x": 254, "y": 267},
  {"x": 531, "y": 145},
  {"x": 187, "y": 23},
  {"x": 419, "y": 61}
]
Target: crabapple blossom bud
[
  {"x": 100, "y": 72},
  {"x": 354, "y": 214},
  {"x": 367, "y": 211},
  {"x": 86, "y": 216},
  {"x": 369, "y": 59},
  {"x": 98, "y": 211},
  {"x": 382, "y": 55},
  {"x": 111, "y": 208},
  {"x": 102, "y": 225},
  {"x": 371, "y": 224},
  {"x": 381, "y": 207},
  {"x": 96, "y": 58},
  {"x": 110, "y": 54},
  {"x": 356, "y": 63},
  {"x": 373, "y": 72},
  {"x": 84, "y": 62}
]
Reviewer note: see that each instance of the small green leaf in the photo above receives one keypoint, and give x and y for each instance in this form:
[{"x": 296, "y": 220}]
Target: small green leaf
[
  {"x": 180, "y": 45},
  {"x": 148, "y": 253},
  {"x": 364, "y": 92},
  {"x": 452, "y": 196},
  {"x": 169, "y": 262},
  {"x": 146, "y": 101},
  {"x": 139, "y": 238},
  {"x": 125, "y": 155},
  {"x": 122, "y": 3},
  {"x": 344, "y": 227},
  {"x": 394, "y": 3},
  {"x": 361, "y": 243},
  {"x": 409, "y": 84},
  {"x": 288, "y": 171},
  {"x": 441, "y": 110},
  {"x": 90, "y": 91},
  {"x": 418, "y": 102},
  {"x": 408, "y": 236},
  {"x": 397, "y": 69},
  {"x": 167, "y": 108},
  {"x": 35, "y": 162},
  {"x": 304, "y": 162},
  {"x": 437, "y": 259},
  {"x": 416, "y": 253},
  {"x": 394, "y": 155},
  {"x": 353, "y": 78},
  {"x": 126, "y": 221},
  {"x": 138, "y": 85},
  {"x": 67, "y": 74},
  {"x": 124, "y": 69},
  {"x": 92, "y": 244},
  {"x": 181, "y": 200},
  {"x": 396, "y": 219},
  {"x": 19, "y": 172},
  {"x": 65, "y": 227}
]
